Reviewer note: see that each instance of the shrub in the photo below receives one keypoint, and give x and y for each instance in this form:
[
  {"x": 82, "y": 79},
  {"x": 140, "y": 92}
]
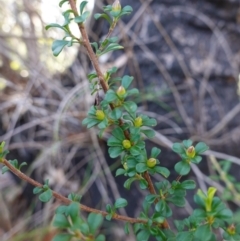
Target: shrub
[{"x": 129, "y": 130}]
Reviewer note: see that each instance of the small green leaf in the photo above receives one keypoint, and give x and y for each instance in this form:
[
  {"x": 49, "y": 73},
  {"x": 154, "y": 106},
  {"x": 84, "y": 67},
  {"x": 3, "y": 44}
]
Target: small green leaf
[
  {"x": 110, "y": 47},
  {"x": 185, "y": 236},
  {"x": 187, "y": 143},
  {"x": 126, "y": 228},
  {"x": 126, "y": 81},
  {"x": 62, "y": 237},
  {"x": 182, "y": 168},
  {"x": 82, "y": 18},
  {"x": 58, "y": 46},
  {"x": 66, "y": 15},
  {"x": 74, "y": 197},
  {"x": 55, "y": 25},
  {"x": 118, "y": 133},
  {"x": 62, "y": 2},
  {"x": 120, "y": 203},
  {"x": 178, "y": 148},
  {"x": 177, "y": 200},
  {"x": 136, "y": 227},
  {"x": 128, "y": 182},
  {"x": 84, "y": 228},
  {"x": 90, "y": 122},
  {"x": 188, "y": 184},
  {"x": 133, "y": 91},
  {"x": 130, "y": 106},
  {"x": 4, "y": 169},
  {"x": 126, "y": 10},
  {"x": 110, "y": 96},
  {"x": 196, "y": 159},
  {"x": 200, "y": 214},
  {"x": 120, "y": 171},
  {"x": 108, "y": 208},
  {"x": 115, "y": 114},
  {"x": 201, "y": 147},
  {"x": 103, "y": 124},
  {"x": 73, "y": 211},
  {"x": 115, "y": 151},
  {"x": 179, "y": 224},
  {"x": 94, "y": 222},
  {"x": 150, "y": 198},
  {"x": 46, "y": 182},
  {"x": 135, "y": 150},
  {"x": 115, "y": 14},
  {"x": 113, "y": 141},
  {"x": 148, "y": 133},
  {"x": 103, "y": 15},
  {"x": 93, "y": 75},
  {"x": 225, "y": 214},
  {"x": 21, "y": 165},
  {"x": 200, "y": 200},
  {"x": 100, "y": 237},
  {"x": 203, "y": 232},
  {"x": 143, "y": 184},
  {"x": 60, "y": 221},
  {"x": 109, "y": 217},
  {"x": 163, "y": 171},
  {"x": 163, "y": 208},
  {"x": 141, "y": 167},
  {"x": 45, "y": 196},
  {"x": 155, "y": 152},
  {"x": 95, "y": 45},
  {"x": 82, "y": 6},
  {"x": 61, "y": 209},
  {"x": 148, "y": 121},
  {"x": 143, "y": 235},
  {"x": 14, "y": 163},
  {"x": 37, "y": 190}
]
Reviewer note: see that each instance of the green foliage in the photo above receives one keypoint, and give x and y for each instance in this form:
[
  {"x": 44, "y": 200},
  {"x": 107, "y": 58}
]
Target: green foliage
[
  {"x": 3, "y": 152},
  {"x": 118, "y": 112},
  {"x": 67, "y": 219},
  {"x": 189, "y": 154},
  {"x": 111, "y": 210},
  {"x": 15, "y": 164},
  {"x": 74, "y": 197},
  {"x": 44, "y": 191}
]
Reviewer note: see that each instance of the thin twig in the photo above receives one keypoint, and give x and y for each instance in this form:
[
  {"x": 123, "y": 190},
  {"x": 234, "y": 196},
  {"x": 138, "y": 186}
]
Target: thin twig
[
  {"x": 86, "y": 43},
  {"x": 67, "y": 201}
]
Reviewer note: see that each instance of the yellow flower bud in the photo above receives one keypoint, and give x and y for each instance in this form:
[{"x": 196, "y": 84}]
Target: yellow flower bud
[
  {"x": 125, "y": 166},
  {"x": 231, "y": 229},
  {"x": 121, "y": 91},
  {"x": 100, "y": 115},
  {"x": 2, "y": 146},
  {"x": 126, "y": 144},
  {"x": 151, "y": 162},
  {"x": 116, "y": 6},
  {"x": 138, "y": 122},
  {"x": 191, "y": 152}
]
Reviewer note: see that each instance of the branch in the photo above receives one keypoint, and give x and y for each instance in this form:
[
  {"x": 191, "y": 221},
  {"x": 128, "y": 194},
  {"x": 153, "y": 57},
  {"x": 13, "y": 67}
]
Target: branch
[
  {"x": 85, "y": 41},
  {"x": 67, "y": 201}
]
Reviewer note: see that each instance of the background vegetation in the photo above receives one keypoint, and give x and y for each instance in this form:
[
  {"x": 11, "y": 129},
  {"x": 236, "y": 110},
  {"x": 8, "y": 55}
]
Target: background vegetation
[{"x": 43, "y": 102}]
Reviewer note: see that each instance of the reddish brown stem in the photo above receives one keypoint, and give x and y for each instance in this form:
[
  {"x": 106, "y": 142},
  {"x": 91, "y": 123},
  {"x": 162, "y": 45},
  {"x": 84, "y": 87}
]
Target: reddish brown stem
[
  {"x": 85, "y": 41},
  {"x": 66, "y": 200}
]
